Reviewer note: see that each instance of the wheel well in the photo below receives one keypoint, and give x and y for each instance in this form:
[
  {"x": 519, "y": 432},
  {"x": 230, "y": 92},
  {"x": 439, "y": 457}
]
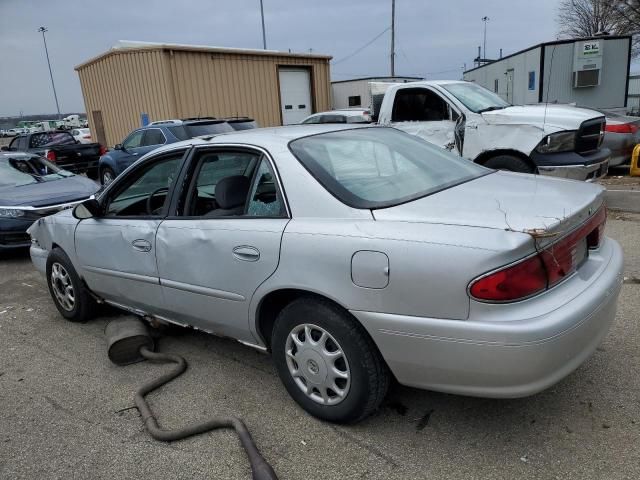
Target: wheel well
[
  {"x": 488, "y": 154},
  {"x": 272, "y": 305}
]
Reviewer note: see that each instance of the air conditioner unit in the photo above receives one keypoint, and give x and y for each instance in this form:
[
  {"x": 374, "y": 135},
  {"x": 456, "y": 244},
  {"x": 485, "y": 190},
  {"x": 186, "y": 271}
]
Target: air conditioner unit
[{"x": 587, "y": 63}]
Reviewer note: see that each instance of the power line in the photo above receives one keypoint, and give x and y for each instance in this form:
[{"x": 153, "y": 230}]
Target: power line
[{"x": 362, "y": 47}]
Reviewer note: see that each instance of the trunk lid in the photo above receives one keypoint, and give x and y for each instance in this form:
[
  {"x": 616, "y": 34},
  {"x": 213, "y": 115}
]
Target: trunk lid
[{"x": 545, "y": 207}]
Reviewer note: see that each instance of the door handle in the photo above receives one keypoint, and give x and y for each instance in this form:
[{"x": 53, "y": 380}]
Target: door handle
[
  {"x": 141, "y": 245},
  {"x": 246, "y": 253}
]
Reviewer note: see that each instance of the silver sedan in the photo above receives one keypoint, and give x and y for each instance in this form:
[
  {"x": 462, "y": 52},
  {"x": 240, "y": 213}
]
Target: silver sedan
[{"x": 352, "y": 255}]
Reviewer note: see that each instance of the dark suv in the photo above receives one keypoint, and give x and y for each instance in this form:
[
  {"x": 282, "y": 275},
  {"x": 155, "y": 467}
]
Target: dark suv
[{"x": 148, "y": 138}]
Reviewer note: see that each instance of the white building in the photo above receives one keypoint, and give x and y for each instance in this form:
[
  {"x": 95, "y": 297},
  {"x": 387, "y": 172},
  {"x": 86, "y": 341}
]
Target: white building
[
  {"x": 591, "y": 72},
  {"x": 355, "y": 92}
]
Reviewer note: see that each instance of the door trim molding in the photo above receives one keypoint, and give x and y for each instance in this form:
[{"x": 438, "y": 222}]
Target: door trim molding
[
  {"x": 125, "y": 275},
  {"x": 210, "y": 292}
]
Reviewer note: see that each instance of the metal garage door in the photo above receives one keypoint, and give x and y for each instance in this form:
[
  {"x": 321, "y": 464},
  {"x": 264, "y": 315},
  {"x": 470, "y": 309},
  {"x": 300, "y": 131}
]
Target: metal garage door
[{"x": 295, "y": 94}]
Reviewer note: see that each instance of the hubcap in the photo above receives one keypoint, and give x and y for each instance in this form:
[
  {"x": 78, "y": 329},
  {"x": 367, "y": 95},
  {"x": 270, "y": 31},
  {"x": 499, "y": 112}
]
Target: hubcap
[
  {"x": 317, "y": 364},
  {"x": 62, "y": 287},
  {"x": 107, "y": 177}
]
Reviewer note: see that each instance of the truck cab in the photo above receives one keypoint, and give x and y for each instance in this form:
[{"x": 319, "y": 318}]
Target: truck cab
[{"x": 558, "y": 140}]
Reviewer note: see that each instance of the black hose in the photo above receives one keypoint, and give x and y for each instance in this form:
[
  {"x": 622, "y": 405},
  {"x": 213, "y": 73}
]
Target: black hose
[{"x": 260, "y": 469}]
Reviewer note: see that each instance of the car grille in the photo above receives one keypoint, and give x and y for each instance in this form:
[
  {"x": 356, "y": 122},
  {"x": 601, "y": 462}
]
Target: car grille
[
  {"x": 18, "y": 238},
  {"x": 590, "y": 134}
]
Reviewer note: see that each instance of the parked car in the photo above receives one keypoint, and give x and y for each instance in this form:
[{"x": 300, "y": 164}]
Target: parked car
[
  {"x": 12, "y": 132},
  {"x": 62, "y": 149},
  {"x": 346, "y": 115},
  {"x": 556, "y": 140},
  {"x": 145, "y": 139},
  {"x": 30, "y": 188},
  {"x": 351, "y": 254},
  {"x": 620, "y": 136},
  {"x": 82, "y": 135}
]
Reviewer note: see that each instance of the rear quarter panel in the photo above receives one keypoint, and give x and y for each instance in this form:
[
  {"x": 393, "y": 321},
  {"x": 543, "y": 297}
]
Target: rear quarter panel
[{"x": 430, "y": 265}]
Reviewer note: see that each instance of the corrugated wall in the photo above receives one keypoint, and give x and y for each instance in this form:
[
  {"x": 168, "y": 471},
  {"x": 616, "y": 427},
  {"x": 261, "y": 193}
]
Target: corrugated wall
[
  {"x": 558, "y": 72},
  {"x": 222, "y": 84},
  {"x": 122, "y": 87}
]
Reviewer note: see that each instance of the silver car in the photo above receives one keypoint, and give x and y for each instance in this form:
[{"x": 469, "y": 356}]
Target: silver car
[{"x": 353, "y": 255}]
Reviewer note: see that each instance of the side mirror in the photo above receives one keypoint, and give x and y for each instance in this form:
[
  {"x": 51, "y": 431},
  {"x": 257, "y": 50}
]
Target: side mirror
[
  {"x": 5, "y": 148},
  {"x": 88, "y": 209},
  {"x": 118, "y": 147}
]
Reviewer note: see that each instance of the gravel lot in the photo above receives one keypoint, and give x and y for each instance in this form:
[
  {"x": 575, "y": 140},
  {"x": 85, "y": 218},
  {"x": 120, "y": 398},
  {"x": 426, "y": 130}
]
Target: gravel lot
[{"x": 66, "y": 410}]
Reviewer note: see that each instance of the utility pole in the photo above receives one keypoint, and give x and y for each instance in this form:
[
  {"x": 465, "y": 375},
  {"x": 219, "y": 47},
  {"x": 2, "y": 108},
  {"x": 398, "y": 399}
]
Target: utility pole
[
  {"x": 53, "y": 85},
  {"x": 485, "y": 20},
  {"x": 393, "y": 37},
  {"x": 264, "y": 37}
]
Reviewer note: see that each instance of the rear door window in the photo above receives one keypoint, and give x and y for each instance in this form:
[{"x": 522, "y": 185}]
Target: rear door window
[{"x": 153, "y": 136}]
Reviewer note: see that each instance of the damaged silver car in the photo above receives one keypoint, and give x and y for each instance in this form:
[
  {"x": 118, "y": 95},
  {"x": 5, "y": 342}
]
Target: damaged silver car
[{"x": 351, "y": 254}]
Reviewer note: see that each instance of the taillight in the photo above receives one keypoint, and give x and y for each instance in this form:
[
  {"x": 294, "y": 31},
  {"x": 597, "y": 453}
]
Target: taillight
[
  {"x": 621, "y": 128},
  {"x": 86, "y": 136},
  {"x": 51, "y": 156},
  {"x": 543, "y": 270},
  {"x": 103, "y": 150},
  {"x": 517, "y": 281}
]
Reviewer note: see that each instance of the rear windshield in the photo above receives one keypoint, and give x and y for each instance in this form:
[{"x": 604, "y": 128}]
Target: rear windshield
[
  {"x": 380, "y": 167},
  {"x": 48, "y": 139},
  {"x": 28, "y": 169},
  {"x": 185, "y": 132}
]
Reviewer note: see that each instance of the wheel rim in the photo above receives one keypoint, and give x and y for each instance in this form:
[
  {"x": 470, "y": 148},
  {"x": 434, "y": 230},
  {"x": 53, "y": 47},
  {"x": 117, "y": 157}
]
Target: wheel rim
[
  {"x": 107, "y": 177},
  {"x": 318, "y": 364},
  {"x": 62, "y": 287}
]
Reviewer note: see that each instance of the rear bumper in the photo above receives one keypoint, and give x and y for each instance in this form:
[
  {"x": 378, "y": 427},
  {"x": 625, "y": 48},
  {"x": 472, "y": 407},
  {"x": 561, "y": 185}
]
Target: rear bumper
[
  {"x": 572, "y": 165},
  {"x": 506, "y": 358}
]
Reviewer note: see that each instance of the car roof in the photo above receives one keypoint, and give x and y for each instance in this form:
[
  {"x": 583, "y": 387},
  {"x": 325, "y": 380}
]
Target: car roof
[
  {"x": 266, "y": 137},
  {"x": 347, "y": 112}
]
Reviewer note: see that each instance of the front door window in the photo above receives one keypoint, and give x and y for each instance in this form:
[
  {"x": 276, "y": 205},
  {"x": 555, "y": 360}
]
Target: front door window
[{"x": 146, "y": 191}]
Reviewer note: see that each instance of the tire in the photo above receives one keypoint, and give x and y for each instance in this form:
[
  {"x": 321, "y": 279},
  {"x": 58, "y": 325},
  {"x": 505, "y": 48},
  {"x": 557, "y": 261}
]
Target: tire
[
  {"x": 367, "y": 375},
  {"x": 107, "y": 175},
  {"x": 509, "y": 163},
  {"x": 79, "y": 306}
]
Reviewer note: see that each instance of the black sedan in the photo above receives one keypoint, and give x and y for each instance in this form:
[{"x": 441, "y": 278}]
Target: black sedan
[{"x": 30, "y": 188}]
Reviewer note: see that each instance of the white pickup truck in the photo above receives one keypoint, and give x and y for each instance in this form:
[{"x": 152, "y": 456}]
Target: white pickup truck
[{"x": 557, "y": 140}]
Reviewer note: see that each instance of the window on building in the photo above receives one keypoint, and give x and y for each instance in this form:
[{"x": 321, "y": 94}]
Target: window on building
[
  {"x": 495, "y": 85},
  {"x": 532, "y": 80},
  {"x": 354, "y": 101}
]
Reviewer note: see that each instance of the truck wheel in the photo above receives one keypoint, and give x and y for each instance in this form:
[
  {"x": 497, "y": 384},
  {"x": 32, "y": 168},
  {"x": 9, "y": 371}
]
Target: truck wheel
[
  {"x": 107, "y": 175},
  {"x": 70, "y": 295},
  {"x": 509, "y": 163},
  {"x": 327, "y": 362}
]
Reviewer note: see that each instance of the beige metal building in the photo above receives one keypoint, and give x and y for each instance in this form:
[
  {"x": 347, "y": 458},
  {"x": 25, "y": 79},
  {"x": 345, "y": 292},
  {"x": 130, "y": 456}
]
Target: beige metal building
[{"x": 136, "y": 82}]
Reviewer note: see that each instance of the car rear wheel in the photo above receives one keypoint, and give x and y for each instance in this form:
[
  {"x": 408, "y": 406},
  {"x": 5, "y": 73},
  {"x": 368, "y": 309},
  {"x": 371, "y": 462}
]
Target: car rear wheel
[
  {"x": 107, "y": 176},
  {"x": 327, "y": 361},
  {"x": 70, "y": 295},
  {"x": 510, "y": 163}
]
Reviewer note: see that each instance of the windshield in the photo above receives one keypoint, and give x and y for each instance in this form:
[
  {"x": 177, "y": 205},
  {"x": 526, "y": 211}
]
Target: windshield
[
  {"x": 28, "y": 169},
  {"x": 380, "y": 167},
  {"x": 475, "y": 98}
]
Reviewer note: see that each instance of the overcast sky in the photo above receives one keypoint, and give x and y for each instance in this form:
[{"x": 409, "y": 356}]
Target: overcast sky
[{"x": 433, "y": 38}]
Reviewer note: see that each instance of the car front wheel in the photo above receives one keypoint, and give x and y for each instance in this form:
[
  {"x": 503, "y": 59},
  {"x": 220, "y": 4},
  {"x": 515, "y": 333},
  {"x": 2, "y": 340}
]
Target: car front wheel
[
  {"x": 327, "y": 361},
  {"x": 107, "y": 176},
  {"x": 70, "y": 295}
]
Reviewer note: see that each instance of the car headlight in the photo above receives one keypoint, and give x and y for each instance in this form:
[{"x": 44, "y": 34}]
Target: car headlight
[
  {"x": 11, "y": 213},
  {"x": 558, "y": 142}
]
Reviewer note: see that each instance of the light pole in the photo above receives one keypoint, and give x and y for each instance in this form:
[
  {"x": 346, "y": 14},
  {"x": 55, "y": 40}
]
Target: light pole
[
  {"x": 264, "y": 37},
  {"x": 46, "y": 51},
  {"x": 484, "y": 53},
  {"x": 393, "y": 38}
]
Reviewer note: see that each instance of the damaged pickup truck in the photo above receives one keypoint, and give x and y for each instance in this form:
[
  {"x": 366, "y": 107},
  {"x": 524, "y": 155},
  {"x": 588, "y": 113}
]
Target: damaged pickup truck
[{"x": 558, "y": 140}]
